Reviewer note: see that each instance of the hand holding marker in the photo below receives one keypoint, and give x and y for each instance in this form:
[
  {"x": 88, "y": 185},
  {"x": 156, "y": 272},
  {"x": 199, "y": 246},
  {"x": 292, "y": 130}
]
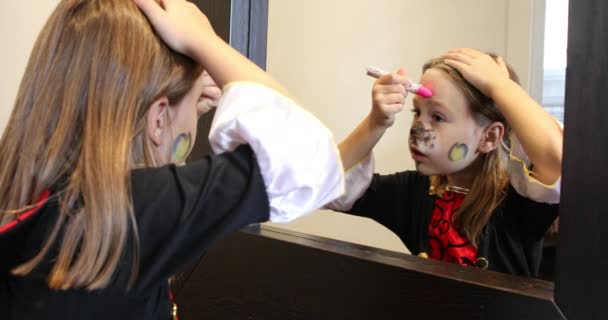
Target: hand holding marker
[{"x": 412, "y": 87}]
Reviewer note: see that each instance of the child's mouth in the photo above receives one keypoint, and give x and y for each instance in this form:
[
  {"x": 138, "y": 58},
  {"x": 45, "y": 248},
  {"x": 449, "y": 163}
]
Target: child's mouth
[{"x": 417, "y": 155}]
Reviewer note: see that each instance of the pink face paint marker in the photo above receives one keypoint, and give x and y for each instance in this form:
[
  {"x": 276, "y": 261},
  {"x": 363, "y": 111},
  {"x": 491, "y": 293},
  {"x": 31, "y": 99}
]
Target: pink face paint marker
[{"x": 412, "y": 87}]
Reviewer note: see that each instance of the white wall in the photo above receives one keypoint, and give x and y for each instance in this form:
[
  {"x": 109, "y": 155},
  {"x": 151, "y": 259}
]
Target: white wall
[
  {"x": 20, "y": 23},
  {"x": 319, "y": 50}
]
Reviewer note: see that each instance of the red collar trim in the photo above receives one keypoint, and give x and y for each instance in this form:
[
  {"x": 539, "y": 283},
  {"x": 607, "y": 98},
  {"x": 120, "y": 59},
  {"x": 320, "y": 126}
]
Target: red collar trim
[{"x": 27, "y": 214}]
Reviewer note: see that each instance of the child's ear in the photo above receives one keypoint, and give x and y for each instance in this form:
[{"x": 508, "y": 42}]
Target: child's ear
[
  {"x": 492, "y": 137},
  {"x": 156, "y": 119}
]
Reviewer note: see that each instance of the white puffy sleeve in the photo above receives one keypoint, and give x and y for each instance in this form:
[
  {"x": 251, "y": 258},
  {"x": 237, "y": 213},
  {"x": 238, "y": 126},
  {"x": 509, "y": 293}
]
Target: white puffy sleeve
[
  {"x": 358, "y": 178},
  {"x": 522, "y": 178},
  {"x": 296, "y": 153}
]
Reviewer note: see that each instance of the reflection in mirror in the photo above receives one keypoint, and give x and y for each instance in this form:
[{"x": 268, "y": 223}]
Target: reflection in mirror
[
  {"x": 329, "y": 79},
  {"x": 554, "y": 62},
  {"x": 553, "y": 90}
]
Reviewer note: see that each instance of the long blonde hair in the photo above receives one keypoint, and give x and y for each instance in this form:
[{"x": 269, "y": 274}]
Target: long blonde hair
[
  {"x": 78, "y": 128},
  {"x": 490, "y": 185}
]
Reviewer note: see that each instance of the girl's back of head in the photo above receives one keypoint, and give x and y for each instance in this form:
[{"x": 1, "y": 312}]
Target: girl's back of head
[{"x": 77, "y": 128}]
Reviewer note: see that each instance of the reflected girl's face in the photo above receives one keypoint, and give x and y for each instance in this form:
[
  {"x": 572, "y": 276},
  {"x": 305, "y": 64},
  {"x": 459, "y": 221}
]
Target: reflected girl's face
[{"x": 444, "y": 136}]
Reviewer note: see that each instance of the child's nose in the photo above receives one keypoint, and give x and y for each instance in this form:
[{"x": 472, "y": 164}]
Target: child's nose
[
  {"x": 417, "y": 130},
  {"x": 419, "y": 126}
]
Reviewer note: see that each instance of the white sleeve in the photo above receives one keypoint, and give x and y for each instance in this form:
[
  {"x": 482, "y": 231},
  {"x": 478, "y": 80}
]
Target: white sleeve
[
  {"x": 522, "y": 178},
  {"x": 297, "y": 155},
  {"x": 358, "y": 178}
]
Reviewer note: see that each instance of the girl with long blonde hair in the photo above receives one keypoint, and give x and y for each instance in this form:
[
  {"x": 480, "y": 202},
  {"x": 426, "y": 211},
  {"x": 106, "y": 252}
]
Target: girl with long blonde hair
[{"x": 97, "y": 206}]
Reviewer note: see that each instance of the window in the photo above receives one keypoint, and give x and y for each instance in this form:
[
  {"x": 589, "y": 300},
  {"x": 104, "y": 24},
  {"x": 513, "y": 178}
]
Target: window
[{"x": 554, "y": 57}]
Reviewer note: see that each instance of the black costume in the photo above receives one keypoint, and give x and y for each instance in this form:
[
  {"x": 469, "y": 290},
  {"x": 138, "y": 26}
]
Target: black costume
[
  {"x": 180, "y": 212},
  {"x": 511, "y": 241}
]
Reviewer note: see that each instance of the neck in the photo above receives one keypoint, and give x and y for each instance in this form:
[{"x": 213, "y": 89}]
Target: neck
[
  {"x": 465, "y": 177},
  {"x": 460, "y": 180}
]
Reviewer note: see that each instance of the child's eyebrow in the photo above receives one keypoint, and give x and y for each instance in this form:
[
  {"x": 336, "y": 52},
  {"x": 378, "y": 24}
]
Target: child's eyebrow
[
  {"x": 437, "y": 105},
  {"x": 429, "y": 101},
  {"x": 443, "y": 107}
]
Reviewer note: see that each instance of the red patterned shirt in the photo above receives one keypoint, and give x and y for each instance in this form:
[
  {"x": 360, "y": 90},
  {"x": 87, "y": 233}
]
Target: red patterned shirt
[{"x": 446, "y": 243}]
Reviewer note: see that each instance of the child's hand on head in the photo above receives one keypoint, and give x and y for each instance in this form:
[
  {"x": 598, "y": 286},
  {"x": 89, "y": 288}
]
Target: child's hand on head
[
  {"x": 180, "y": 24},
  {"x": 210, "y": 96},
  {"x": 388, "y": 97},
  {"x": 479, "y": 69}
]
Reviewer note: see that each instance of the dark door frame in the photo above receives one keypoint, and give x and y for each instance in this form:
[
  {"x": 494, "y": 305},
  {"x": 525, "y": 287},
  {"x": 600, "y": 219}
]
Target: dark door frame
[{"x": 243, "y": 24}]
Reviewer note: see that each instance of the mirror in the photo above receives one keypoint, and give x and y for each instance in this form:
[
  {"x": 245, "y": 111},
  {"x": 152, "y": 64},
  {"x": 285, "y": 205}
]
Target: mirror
[{"x": 334, "y": 41}]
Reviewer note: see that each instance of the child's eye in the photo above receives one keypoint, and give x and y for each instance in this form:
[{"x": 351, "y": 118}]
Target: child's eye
[
  {"x": 438, "y": 118},
  {"x": 416, "y": 112}
]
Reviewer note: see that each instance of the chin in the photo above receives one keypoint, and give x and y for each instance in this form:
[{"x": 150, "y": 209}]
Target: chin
[
  {"x": 424, "y": 169},
  {"x": 428, "y": 169}
]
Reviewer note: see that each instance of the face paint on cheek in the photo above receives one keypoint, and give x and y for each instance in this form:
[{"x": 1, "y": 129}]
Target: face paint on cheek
[
  {"x": 458, "y": 152},
  {"x": 181, "y": 147}
]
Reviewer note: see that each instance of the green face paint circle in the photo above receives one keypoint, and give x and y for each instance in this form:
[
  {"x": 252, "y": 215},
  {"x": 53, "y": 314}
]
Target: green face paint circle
[
  {"x": 181, "y": 147},
  {"x": 458, "y": 152}
]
